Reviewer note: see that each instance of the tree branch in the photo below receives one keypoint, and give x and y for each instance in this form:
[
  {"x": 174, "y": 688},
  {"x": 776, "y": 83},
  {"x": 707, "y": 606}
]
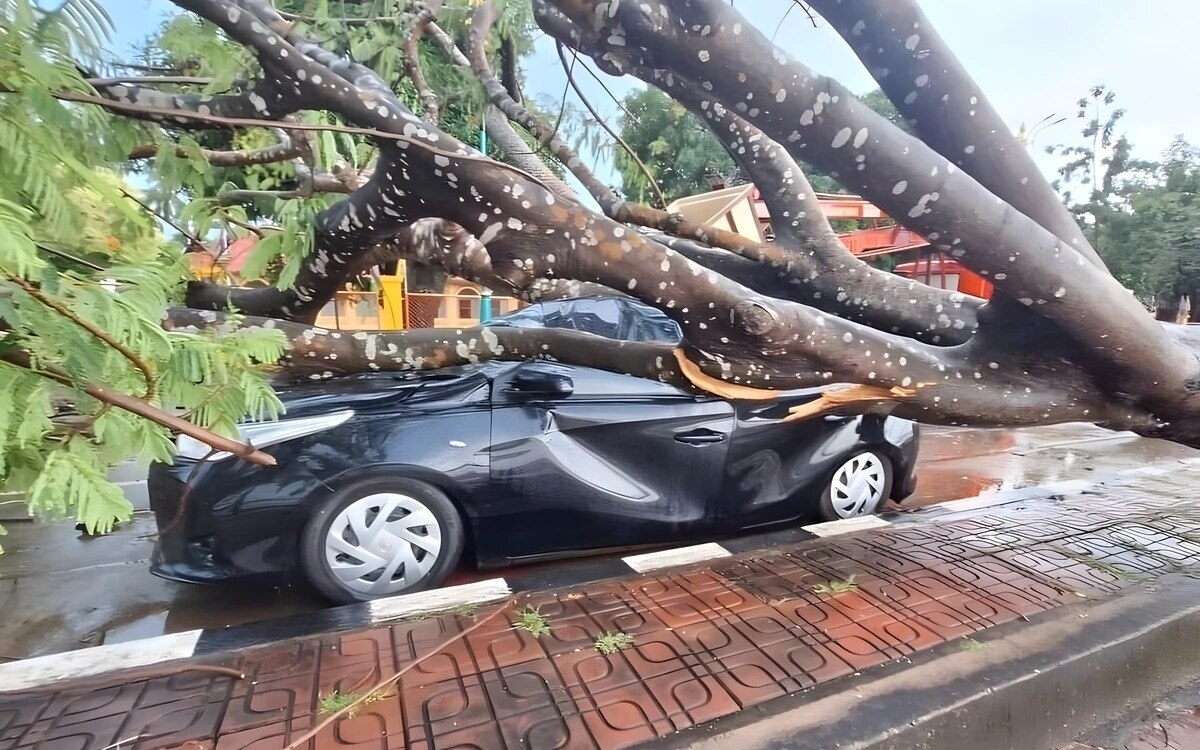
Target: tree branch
[
  {"x": 412, "y": 65},
  {"x": 142, "y": 409},
  {"x": 481, "y": 25},
  {"x": 940, "y": 100},
  {"x": 99, "y": 333},
  {"x": 818, "y": 117}
]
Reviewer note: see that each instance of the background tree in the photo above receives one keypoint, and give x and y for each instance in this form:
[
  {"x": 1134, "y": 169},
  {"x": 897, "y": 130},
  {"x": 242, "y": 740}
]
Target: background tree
[
  {"x": 683, "y": 155},
  {"x": 1139, "y": 215},
  {"x": 1061, "y": 340}
]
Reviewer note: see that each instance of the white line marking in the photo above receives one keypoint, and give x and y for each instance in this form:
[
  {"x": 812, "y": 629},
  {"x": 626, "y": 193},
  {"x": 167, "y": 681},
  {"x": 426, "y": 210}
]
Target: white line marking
[
  {"x": 41, "y": 670},
  {"x": 670, "y": 558},
  {"x": 845, "y": 526},
  {"x": 405, "y": 605}
]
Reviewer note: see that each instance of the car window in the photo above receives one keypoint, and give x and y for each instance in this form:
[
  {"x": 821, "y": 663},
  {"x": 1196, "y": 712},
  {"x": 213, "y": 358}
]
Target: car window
[
  {"x": 599, "y": 316},
  {"x": 611, "y": 317}
]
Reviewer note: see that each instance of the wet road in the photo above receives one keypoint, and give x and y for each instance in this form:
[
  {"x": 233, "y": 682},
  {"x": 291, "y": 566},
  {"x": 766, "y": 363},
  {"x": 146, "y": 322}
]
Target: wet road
[{"x": 61, "y": 591}]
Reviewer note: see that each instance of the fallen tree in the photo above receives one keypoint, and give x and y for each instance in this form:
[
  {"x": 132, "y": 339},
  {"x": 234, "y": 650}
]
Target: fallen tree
[{"x": 1060, "y": 341}]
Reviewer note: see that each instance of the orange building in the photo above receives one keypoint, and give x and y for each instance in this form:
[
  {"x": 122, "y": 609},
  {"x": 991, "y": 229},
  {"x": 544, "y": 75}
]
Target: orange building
[{"x": 741, "y": 209}]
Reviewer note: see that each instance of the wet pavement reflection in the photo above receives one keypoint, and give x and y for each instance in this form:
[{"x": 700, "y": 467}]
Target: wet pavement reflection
[{"x": 60, "y": 590}]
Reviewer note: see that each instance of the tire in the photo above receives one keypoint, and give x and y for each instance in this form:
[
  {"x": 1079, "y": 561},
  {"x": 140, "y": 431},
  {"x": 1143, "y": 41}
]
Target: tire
[
  {"x": 842, "y": 498},
  {"x": 347, "y": 568}
]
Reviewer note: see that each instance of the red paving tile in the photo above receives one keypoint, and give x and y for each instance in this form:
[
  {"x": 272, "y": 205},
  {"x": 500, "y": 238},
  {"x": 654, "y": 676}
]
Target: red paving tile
[{"x": 707, "y": 642}]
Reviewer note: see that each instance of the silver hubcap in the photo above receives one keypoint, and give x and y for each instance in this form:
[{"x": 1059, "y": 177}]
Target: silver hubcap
[
  {"x": 382, "y": 544},
  {"x": 857, "y": 487}
]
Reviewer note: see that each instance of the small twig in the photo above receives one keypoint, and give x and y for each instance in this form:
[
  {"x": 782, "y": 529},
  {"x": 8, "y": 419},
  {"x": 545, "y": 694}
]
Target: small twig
[
  {"x": 662, "y": 200},
  {"x": 95, "y": 330},
  {"x": 137, "y": 80},
  {"x": 412, "y": 65},
  {"x": 117, "y": 745},
  {"x": 247, "y": 122},
  {"x": 294, "y": 744},
  {"x": 239, "y": 223},
  {"x": 142, "y": 409},
  {"x": 68, "y": 256},
  {"x": 186, "y": 494},
  {"x": 193, "y": 238},
  {"x": 338, "y": 19}
]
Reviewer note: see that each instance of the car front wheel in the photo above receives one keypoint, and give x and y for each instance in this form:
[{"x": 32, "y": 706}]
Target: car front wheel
[
  {"x": 857, "y": 487},
  {"x": 381, "y": 537}
]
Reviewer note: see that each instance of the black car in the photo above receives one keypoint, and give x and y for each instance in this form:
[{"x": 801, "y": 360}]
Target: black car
[{"x": 385, "y": 480}]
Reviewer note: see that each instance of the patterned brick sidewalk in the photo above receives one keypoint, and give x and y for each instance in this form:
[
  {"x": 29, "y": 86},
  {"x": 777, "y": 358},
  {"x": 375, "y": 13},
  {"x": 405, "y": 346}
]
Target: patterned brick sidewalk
[{"x": 707, "y": 641}]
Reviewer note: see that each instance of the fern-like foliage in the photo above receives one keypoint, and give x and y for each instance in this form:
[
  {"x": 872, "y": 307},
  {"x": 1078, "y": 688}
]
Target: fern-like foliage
[{"x": 99, "y": 320}]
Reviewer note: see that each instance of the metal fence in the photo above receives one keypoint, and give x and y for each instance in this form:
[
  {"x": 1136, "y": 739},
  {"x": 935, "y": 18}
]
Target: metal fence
[{"x": 359, "y": 311}]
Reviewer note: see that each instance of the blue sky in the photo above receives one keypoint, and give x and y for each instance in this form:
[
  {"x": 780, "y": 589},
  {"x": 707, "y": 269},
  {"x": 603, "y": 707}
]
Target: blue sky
[{"x": 1033, "y": 58}]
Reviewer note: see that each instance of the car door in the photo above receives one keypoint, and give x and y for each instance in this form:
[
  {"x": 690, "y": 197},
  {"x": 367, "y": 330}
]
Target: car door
[
  {"x": 584, "y": 459},
  {"x": 776, "y": 469}
]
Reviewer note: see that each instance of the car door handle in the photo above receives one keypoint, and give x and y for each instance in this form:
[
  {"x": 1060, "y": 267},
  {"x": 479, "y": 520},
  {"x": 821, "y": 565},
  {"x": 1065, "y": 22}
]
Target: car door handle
[{"x": 700, "y": 437}]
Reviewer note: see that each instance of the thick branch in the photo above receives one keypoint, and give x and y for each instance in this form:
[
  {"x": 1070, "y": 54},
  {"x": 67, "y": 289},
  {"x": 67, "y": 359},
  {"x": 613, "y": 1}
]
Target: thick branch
[
  {"x": 501, "y": 131},
  {"x": 715, "y": 48},
  {"x": 282, "y": 151},
  {"x": 933, "y": 91},
  {"x": 481, "y": 24}
]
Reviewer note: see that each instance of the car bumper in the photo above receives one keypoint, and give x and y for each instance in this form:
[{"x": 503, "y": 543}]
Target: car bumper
[{"x": 183, "y": 551}]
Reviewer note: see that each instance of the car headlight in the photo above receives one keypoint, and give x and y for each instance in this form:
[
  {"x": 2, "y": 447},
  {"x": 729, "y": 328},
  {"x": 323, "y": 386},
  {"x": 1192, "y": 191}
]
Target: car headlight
[{"x": 263, "y": 434}]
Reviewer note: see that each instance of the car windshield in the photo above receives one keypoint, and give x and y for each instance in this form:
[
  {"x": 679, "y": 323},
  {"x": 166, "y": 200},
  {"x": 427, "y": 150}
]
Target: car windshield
[{"x": 611, "y": 317}]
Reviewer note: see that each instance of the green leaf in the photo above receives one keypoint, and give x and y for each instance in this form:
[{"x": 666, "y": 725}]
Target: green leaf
[{"x": 74, "y": 480}]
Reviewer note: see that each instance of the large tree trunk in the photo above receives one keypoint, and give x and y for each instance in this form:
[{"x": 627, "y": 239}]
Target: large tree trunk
[{"x": 1060, "y": 341}]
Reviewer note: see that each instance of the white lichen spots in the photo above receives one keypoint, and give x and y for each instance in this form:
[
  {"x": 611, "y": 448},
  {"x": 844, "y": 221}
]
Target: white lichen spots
[
  {"x": 515, "y": 224},
  {"x": 440, "y": 160},
  {"x": 910, "y": 97},
  {"x": 900, "y": 187},
  {"x": 631, "y": 285},
  {"x": 666, "y": 265},
  {"x": 922, "y": 205},
  {"x": 922, "y": 81},
  {"x": 906, "y": 382},
  {"x": 490, "y": 233},
  {"x": 860, "y": 138},
  {"x": 492, "y": 341},
  {"x": 780, "y": 95},
  {"x": 703, "y": 55},
  {"x": 912, "y": 42},
  {"x": 969, "y": 150},
  {"x": 993, "y": 365},
  {"x": 1060, "y": 292},
  {"x": 842, "y": 138},
  {"x": 806, "y": 118},
  {"x": 858, "y": 27}
]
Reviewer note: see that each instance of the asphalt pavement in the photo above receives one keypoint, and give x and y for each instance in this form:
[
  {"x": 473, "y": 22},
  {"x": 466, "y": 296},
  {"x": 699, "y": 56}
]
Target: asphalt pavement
[{"x": 61, "y": 590}]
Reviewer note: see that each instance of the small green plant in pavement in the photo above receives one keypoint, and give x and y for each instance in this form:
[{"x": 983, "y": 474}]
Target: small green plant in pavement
[
  {"x": 970, "y": 644},
  {"x": 337, "y": 701},
  {"x": 833, "y": 588},
  {"x": 612, "y": 642},
  {"x": 532, "y": 620}
]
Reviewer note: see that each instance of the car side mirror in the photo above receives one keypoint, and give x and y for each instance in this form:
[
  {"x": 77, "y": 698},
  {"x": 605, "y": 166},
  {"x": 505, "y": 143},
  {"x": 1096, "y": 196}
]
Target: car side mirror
[{"x": 537, "y": 382}]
